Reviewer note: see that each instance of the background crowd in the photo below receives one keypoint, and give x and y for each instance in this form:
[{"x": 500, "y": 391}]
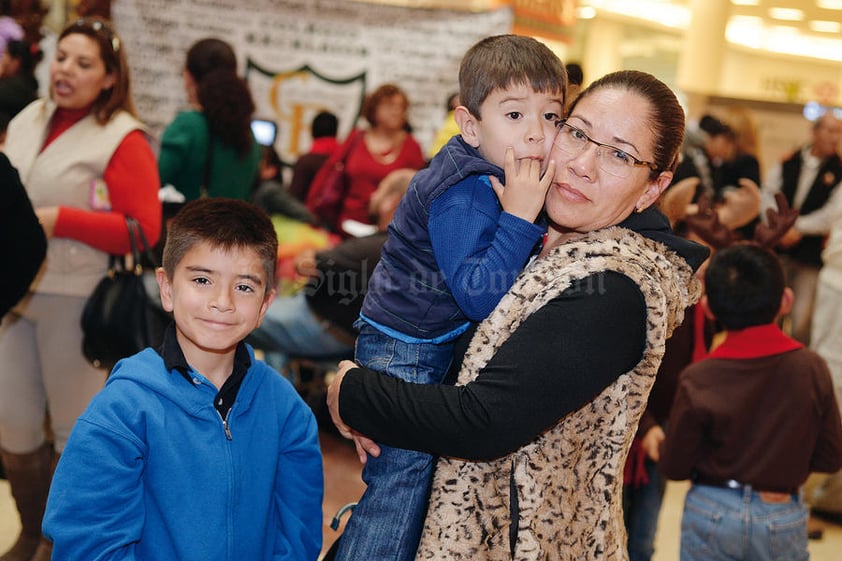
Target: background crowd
[{"x": 86, "y": 162}]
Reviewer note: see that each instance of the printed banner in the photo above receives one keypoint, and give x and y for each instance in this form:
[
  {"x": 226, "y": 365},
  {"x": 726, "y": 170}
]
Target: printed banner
[{"x": 302, "y": 56}]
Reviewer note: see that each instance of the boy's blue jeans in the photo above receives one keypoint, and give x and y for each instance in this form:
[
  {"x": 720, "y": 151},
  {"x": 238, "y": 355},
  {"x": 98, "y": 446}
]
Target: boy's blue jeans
[
  {"x": 386, "y": 524},
  {"x": 726, "y": 524}
]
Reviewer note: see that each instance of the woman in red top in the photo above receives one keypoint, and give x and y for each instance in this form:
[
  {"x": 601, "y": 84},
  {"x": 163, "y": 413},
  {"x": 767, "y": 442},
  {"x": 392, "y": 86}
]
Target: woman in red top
[
  {"x": 85, "y": 162},
  {"x": 369, "y": 155}
]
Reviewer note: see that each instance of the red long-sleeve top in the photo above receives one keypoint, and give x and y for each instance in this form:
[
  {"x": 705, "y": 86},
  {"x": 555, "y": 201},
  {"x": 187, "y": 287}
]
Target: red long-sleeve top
[{"x": 133, "y": 184}]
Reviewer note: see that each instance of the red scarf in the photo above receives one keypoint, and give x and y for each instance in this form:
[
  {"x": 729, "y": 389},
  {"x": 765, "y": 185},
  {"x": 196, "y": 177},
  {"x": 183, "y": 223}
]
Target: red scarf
[{"x": 755, "y": 342}]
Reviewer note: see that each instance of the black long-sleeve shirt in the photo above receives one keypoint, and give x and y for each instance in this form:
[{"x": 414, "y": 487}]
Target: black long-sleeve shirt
[{"x": 591, "y": 334}]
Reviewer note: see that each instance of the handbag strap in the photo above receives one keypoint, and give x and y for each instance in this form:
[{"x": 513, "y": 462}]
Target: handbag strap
[
  {"x": 138, "y": 243},
  {"x": 352, "y": 140}
]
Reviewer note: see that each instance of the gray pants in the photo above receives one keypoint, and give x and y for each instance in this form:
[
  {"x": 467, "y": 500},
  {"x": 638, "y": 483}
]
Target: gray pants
[
  {"x": 802, "y": 279},
  {"x": 824, "y": 492},
  {"x": 43, "y": 368}
]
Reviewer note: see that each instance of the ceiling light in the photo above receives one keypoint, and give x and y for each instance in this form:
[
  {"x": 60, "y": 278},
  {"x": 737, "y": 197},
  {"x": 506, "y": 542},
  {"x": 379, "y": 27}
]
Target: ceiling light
[
  {"x": 782, "y": 31},
  {"x": 786, "y": 14},
  {"x": 745, "y": 2},
  {"x": 747, "y": 21},
  {"x": 829, "y": 4},
  {"x": 823, "y": 26},
  {"x": 745, "y": 30}
]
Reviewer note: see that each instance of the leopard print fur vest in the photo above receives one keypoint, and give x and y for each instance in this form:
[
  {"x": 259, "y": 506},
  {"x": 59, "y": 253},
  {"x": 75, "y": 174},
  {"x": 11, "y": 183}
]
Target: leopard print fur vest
[{"x": 567, "y": 483}]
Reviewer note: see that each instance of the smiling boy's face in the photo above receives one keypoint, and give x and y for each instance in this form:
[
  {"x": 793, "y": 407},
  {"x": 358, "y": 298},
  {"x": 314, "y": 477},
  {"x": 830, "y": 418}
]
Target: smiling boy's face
[
  {"x": 217, "y": 298},
  {"x": 516, "y": 116}
]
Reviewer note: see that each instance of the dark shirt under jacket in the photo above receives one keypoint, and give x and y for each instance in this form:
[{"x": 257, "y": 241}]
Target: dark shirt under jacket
[
  {"x": 808, "y": 250},
  {"x": 174, "y": 359}
]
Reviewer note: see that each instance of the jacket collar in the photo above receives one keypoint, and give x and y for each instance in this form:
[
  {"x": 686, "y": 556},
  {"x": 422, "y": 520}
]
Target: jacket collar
[
  {"x": 755, "y": 342},
  {"x": 652, "y": 224},
  {"x": 174, "y": 359}
]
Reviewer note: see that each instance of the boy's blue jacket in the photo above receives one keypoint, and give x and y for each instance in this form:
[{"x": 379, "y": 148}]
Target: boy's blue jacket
[
  {"x": 149, "y": 473},
  {"x": 408, "y": 292}
]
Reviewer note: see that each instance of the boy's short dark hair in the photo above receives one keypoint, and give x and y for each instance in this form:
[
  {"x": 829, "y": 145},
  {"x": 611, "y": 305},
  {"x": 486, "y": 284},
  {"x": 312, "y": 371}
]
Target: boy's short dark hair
[
  {"x": 574, "y": 73},
  {"x": 744, "y": 284},
  {"x": 223, "y": 223},
  {"x": 325, "y": 124},
  {"x": 500, "y": 61}
]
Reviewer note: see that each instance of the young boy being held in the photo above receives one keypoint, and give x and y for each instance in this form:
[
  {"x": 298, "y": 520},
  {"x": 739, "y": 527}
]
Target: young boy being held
[
  {"x": 455, "y": 246},
  {"x": 196, "y": 451},
  {"x": 750, "y": 422}
]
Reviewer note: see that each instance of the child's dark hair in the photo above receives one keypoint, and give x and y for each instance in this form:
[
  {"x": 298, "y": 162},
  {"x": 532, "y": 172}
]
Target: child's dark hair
[
  {"x": 500, "y": 61},
  {"x": 744, "y": 284},
  {"x": 226, "y": 224},
  {"x": 325, "y": 124}
]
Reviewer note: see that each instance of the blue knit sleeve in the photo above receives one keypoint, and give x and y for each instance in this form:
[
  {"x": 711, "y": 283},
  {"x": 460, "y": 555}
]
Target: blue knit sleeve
[{"x": 479, "y": 248}]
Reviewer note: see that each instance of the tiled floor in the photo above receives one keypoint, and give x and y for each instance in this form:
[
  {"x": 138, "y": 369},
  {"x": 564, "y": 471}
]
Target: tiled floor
[{"x": 343, "y": 485}]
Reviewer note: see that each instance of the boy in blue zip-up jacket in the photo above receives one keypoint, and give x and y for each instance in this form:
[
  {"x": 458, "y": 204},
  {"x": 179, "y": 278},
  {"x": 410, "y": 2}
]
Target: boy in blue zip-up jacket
[
  {"x": 454, "y": 248},
  {"x": 196, "y": 451}
]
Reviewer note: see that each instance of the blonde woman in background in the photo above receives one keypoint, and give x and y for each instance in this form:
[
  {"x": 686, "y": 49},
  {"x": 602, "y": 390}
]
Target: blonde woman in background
[{"x": 741, "y": 198}]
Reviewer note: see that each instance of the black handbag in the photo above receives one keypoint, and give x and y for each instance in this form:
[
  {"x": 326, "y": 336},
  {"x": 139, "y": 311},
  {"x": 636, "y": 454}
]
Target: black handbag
[{"x": 124, "y": 314}]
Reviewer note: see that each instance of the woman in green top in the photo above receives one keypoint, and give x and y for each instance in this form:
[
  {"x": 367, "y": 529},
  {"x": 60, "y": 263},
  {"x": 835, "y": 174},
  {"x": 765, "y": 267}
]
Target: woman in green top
[{"x": 210, "y": 149}]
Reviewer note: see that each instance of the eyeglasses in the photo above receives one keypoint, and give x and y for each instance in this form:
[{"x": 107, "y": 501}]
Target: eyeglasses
[
  {"x": 619, "y": 163},
  {"x": 98, "y": 26}
]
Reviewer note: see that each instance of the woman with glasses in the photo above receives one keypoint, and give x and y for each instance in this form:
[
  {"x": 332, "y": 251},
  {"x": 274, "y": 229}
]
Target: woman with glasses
[
  {"x": 86, "y": 164},
  {"x": 535, "y": 433}
]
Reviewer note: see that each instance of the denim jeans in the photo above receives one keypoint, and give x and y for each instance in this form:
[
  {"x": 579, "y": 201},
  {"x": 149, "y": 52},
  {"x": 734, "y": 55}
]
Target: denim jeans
[
  {"x": 386, "y": 524},
  {"x": 728, "y": 524},
  {"x": 641, "y": 507}
]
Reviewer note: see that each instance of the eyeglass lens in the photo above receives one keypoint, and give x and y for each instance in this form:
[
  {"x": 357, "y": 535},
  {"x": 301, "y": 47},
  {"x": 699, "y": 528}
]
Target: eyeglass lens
[{"x": 611, "y": 160}]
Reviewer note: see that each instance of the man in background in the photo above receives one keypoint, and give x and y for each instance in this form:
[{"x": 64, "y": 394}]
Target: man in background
[{"x": 810, "y": 180}]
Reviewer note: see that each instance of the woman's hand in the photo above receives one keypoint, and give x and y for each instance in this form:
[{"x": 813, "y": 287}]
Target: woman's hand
[
  {"x": 651, "y": 442},
  {"x": 525, "y": 189},
  {"x": 305, "y": 263},
  {"x": 741, "y": 205},
  {"x": 47, "y": 216},
  {"x": 363, "y": 445}
]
